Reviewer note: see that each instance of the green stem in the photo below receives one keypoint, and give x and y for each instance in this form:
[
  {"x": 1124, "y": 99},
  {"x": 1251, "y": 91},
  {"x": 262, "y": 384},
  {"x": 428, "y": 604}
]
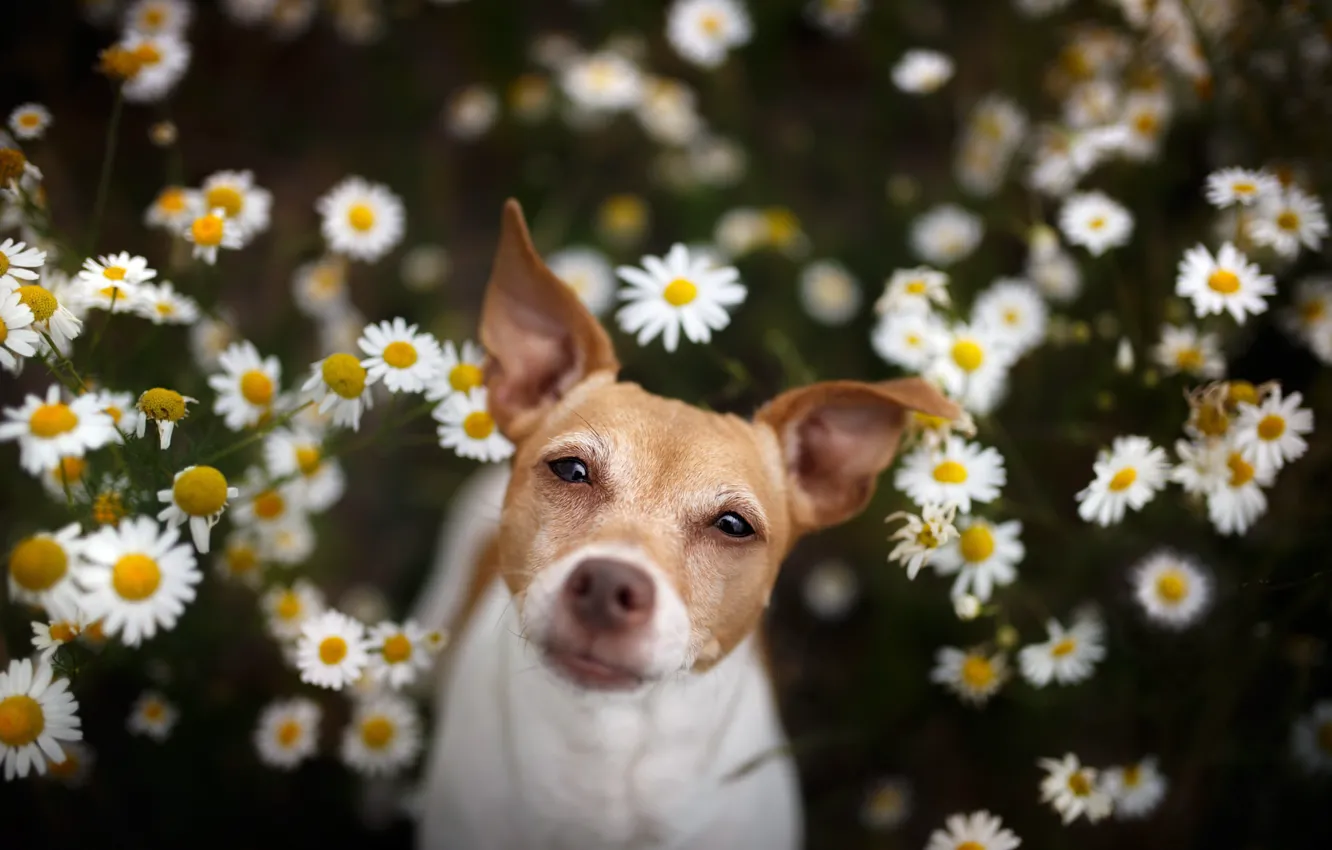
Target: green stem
[
  {"x": 64, "y": 361},
  {"x": 104, "y": 181},
  {"x": 258, "y": 434}
]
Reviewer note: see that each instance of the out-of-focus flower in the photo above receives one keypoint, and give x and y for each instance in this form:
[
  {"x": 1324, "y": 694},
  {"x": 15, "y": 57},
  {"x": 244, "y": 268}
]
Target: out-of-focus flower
[
  {"x": 1137, "y": 789},
  {"x": 887, "y": 804},
  {"x": 946, "y": 234},
  {"x": 668, "y": 112},
  {"x": 1068, "y": 655},
  {"x": 922, "y": 71},
  {"x": 705, "y": 31},
  {"x": 29, "y": 121},
  {"x": 1185, "y": 350},
  {"x": 1073, "y": 790},
  {"x": 383, "y": 737},
  {"x": 18, "y": 339},
  {"x": 1311, "y": 737},
  {"x": 398, "y": 653},
  {"x": 976, "y": 831},
  {"x": 602, "y": 82},
  {"x": 161, "y": 304},
  {"x": 922, "y": 536},
  {"x": 288, "y": 732},
  {"x": 1015, "y": 309},
  {"x": 1286, "y": 220},
  {"x": 1271, "y": 434},
  {"x": 320, "y": 289},
  {"x": 830, "y": 589},
  {"x": 41, "y": 571},
  {"x": 1309, "y": 318},
  {"x": 678, "y": 292},
  {"x": 915, "y": 290},
  {"x": 588, "y": 272},
  {"x": 296, "y": 454},
  {"x": 211, "y": 231},
  {"x": 425, "y": 267},
  {"x": 289, "y": 608},
  {"x": 974, "y": 675},
  {"x": 622, "y": 219},
  {"x": 39, "y": 713},
  {"x": 1128, "y": 475},
  {"x": 152, "y": 716},
  {"x": 471, "y": 112},
  {"x": 160, "y": 60},
  {"x": 1173, "y": 590},
  {"x": 1227, "y": 282},
  {"x": 836, "y": 17},
  {"x": 530, "y": 98},
  {"x": 971, "y": 363},
  {"x": 829, "y": 293},
  {"x": 1096, "y": 222},
  {"x": 332, "y": 651},
  {"x": 910, "y": 340},
  {"x": 1239, "y": 186},
  {"x": 361, "y": 219}
]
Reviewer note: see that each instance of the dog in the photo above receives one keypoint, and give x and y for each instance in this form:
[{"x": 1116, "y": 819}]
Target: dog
[{"x": 607, "y": 686}]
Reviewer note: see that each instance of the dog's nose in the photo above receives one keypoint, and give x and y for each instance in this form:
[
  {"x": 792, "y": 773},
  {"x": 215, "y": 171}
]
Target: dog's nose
[{"x": 609, "y": 595}]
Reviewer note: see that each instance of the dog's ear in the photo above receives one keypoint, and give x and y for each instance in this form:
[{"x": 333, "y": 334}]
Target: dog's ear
[
  {"x": 539, "y": 338},
  {"x": 838, "y": 436}
]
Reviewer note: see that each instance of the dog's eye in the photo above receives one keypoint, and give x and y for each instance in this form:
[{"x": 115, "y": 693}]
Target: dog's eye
[
  {"x": 733, "y": 525},
  {"x": 570, "y": 469}
]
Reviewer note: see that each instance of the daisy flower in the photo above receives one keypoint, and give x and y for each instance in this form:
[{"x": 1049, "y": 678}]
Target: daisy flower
[
  {"x": 471, "y": 112},
  {"x": 198, "y": 494},
  {"x": 677, "y": 292},
  {"x": 984, "y": 555},
  {"x": 384, "y": 736},
  {"x": 946, "y": 234},
  {"x": 976, "y": 831},
  {"x": 588, "y": 273},
  {"x": 209, "y": 337},
  {"x": 288, "y": 609},
  {"x": 829, "y": 293},
  {"x": 233, "y": 196},
  {"x": 239, "y": 559},
  {"x": 830, "y": 589},
  {"x": 173, "y": 209},
  {"x": 1311, "y": 737},
  {"x": 120, "y": 407},
  {"x": 163, "y": 305},
  {"x": 341, "y": 386},
  {"x": 18, "y": 263},
  {"x": 152, "y": 716},
  {"x": 297, "y": 455},
  {"x": 1074, "y": 790},
  {"x": 247, "y": 386},
  {"x": 265, "y": 505},
  {"x": 466, "y": 426},
  {"x": 48, "y": 637},
  {"x": 50, "y": 316},
  {"x": 602, "y": 82},
  {"x": 1285, "y": 220},
  {"x": 1137, "y": 789},
  {"x": 922, "y": 535},
  {"x": 158, "y": 16},
  {"x": 1145, "y": 115},
  {"x": 971, "y": 674},
  {"x": 362, "y": 220},
  {"x": 704, "y": 31},
  {"x": 740, "y": 231},
  {"x": 915, "y": 290},
  {"x": 1013, "y": 308},
  {"x": 1096, "y": 222},
  {"x": 332, "y": 651},
  {"x": 164, "y": 408},
  {"x": 1227, "y": 282},
  {"x": 1172, "y": 589},
  {"x": 136, "y": 579},
  {"x": 1271, "y": 434},
  {"x": 971, "y": 364},
  {"x": 17, "y": 337},
  {"x": 290, "y": 542},
  {"x": 887, "y": 804},
  {"x": 668, "y": 112},
  {"x": 41, "y": 570},
  {"x": 922, "y": 71},
  {"x": 461, "y": 371},
  {"x": 1309, "y": 318},
  {"x": 398, "y": 653},
  {"x": 1053, "y": 270},
  {"x": 1236, "y": 501},
  {"x": 50, "y": 429},
  {"x": 909, "y": 340},
  {"x": 64, "y": 480},
  {"x": 111, "y": 282},
  {"x": 210, "y": 231},
  {"x": 406, "y": 360},
  {"x": 29, "y": 121},
  {"x": 288, "y": 732},
  {"x": 1228, "y": 187},
  {"x": 162, "y": 59},
  {"x": 1185, "y": 350},
  {"x": 1129, "y": 475},
  {"x": 37, "y": 713},
  {"x": 319, "y": 288},
  {"x": 955, "y": 473},
  {"x": 74, "y": 769},
  {"x": 1067, "y": 656}
]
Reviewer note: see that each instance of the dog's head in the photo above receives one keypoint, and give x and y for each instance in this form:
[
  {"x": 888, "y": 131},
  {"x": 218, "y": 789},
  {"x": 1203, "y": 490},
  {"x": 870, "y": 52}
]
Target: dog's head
[{"x": 641, "y": 536}]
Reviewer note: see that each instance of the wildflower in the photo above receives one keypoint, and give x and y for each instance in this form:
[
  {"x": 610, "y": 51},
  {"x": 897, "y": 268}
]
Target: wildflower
[
  {"x": 1144, "y": 115},
  {"x": 922, "y": 536},
  {"x": 425, "y": 267},
  {"x": 471, "y": 112},
  {"x": 461, "y": 371},
  {"x": 233, "y": 196},
  {"x": 41, "y": 570},
  {"x": 332, "y": 650},
  {"x": 976, "y": 831},
  {"x": 163, "y": 305},
  {"x": 1096, "y": 222},
  {"x": 1229, "y": 187},
  {"x": 289, "y": 541},
  {"x": 172, "y": 210},
  {"x": 909, "y": 340},
  {"x": 1288, "y": 219},
  {"x": 704, "y": 31},
  {"x": 677, "y": 292},
  {"x": 830, "y": 589},
  {"x": 265, "y": 505},
  {"x": 211, "y": 230},
  {"x": 1051, "y": 268},
  {"x": 65, "y": 477},
  {"x": 1013, "y": 308},
  {"x": 398, "y": 653},
  {"x": 288, "y": 732},
  {"x": 922, "y": 71},
  {"x": 1074, "y": 790},
  {"x": 993, "y": 134},
  {"x": 17, "y": 337},
  {"x": 111, "y": 282},
  {"x": 984, "y": 555},
  {"x": 361, "y": 219},
  {"x": 588, "y": 273},
  {"x": 1067, "y": 656},
  {"x": 1271, "y": 434},
  {"x": 73, "y": 770},
  {"x": 971, "y": 674},
  {"x": 466, "y": 426},
  {"x": 297, "y": 454},
  {"x": 158, "y": 62},
  {"x": 18, "y": 263},
  {"x": 49, "y": 315},
  {"x": 407, "y": 360},
  {"x": 971, "y": 364},
  {"x": 1311, "y": 737},
  {"x": 198, "y": 494},
  {"x": 288, "y": 609},
  {"x": 622, "y": 219},
  {"x": 247, "y": 386},
  {"x": 887, "y": 804},
  {"x": 240, "y": 560},
  {"x": 384, "y": 736},
  {"x": 1172, "y": 589},
  {"x": 829, "y": 293},
  {"x": 915, "y": 290},
  {"x": 341, "y": 385},
  {"x": 158, "y": 16},
  {"x": 152, "y": 716},
  {"x": 37, "y": 713},
  {"x": 29, "y": 121},
  {"x": 946, "y": 234},
  {"x": 1309, "y": 318},
  {"x": 164, "y": 408},
  {"x": 50, "y": 429},
  {"x": 668, "y": 112},
  {"x": 48, "y": 637},
  {"x": 954, "y": 474},
  {"x": 137, "y": 579},
  {"x": 1185, "y": 350},
  {"x": 319, "y": 288},
  {"x": 1137, "y": 789},
  {"x": 209, "y": 337},
  {"x": 740, "y": 231},
  {"x": 1235, "y": 500},
  {"x": 1227, "y": 282},
  {"x": 602, "y": 82},
  {"x": 1129, "y": 475}
]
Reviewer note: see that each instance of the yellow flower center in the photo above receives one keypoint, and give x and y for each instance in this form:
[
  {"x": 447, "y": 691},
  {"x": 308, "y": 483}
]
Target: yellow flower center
[
  {"x": 63, "y": 632},
  {"x": 241, "y": 560},
  {"x": 113, "y": 293},
  {"x": 226, "y": 198},
  {"x": 1012, "y": 317},
  {"x": 977, "y": 543},
  {"x": 70, "y": 470},
  {"x": 1288, "y": 220},
  {"x": 1079, "y": 784},
  {"x": 256, "y": 388},
  {"x": 147, "y": 54},
  {"x": 1310, "y": 311},
  {"x": 950, "y": 472},
  {"x": 1241, "y": 471},
  {"x": 1189, "y": 359},
  {"x": 977, "y": 672},
  {"x": 4, "y": 262},
  {"x": 269, "y": 505},
  {"x": 21, "y": 720},
  {"x": 42, "y": 303},
  {"x": 52, "y": 420},
  {"x": 783, "y": 226},
  {"x": 968, "y": 355},
  {"x": 1146, "y": 124},
  {"x": 925, "y": 420},
  {"x": 172, "y": 200},
  {"x": 927, "y": 538},
  {"x": 1271, "y": 427},
  {"x": 399, "y": 355},
  {"x": 361, "y": 217},
  {"x": 161, "y": 404},
  {"x": 288, "y": 733},
  {"x": 1241, "y": 392},
  {"x": 971, "y": 845},
  {"x": 288, "y": 606},
  {"x": 165, "y": 308},
  {"x": 1224, "y": 282},
  {"x": 1123, "y": 479},
  {"x": 1212, "y": 420},
  {"x": 108, "y": 508},
  {"x": 37, "y": 563},
  {"x": 1243, "y": 187},
  {"x": 710, "y": 23},
  {"x": 201, "y": 491},
  {"x": 135, "y": 577},
  {"x": 332, "y": 650},
  {"x": 1064, "y": 647},
  {"x": 465, "y": 377},
  {"x": 114, "y": 272},
  {"x": 1096, "y": 223},
  {"x": 376, "y": 732},
  {"x": 679, "y": 292},
  {"x": 397, "y": 649},
  {"x": 153, "y": 711},
  {"x": 1172, "y": 586},
  {"x": 207, "y": 230},
  {"x": 624, "y": 213},
  {"x": 12, "y": 164},
  {"x": 66, "y": 769},
  {"x": 114, "y": 412},
  {"x": 916, "y": 287},
  {"x": 1132, "y": 776},
  {"x": 308, "y": 459},
  {"x": 478, "y": 425},
  {"x": 344, "y": 375}
]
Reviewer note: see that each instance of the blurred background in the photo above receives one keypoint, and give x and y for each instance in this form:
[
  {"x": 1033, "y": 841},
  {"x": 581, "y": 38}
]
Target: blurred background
[{"x": 456, "y": 107}]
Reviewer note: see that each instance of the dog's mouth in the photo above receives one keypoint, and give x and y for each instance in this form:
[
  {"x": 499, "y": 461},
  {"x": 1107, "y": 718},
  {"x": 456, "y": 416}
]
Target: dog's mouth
[{"x": 584, "y": 669}]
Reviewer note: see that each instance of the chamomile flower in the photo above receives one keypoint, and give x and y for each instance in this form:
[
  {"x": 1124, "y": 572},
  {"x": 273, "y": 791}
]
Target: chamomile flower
[
  {"x": 973, "y": 675},
  {"x": 240, "y": 558},
  {"x": 1053, "y": 270},
  {"x": 955, "y": 473},
  {"x": 1096, "y": 222},
  {"x": 384, "y": 736},
  {"x": 1309, "y": 318},
  {"x": 971, "y": 363},
  {"x": 332, "y": 651},
  {"x": 887, "y": 804},
  {"x": 288, "y": 609},
  {"x": 164, "y": 408},
  {"x": 668, "y": 112},
  {"x": 162, "y": 58},
  {"x": 461, "y": 371},
  {"x": 362, "y": 220},
  {"x": 264, "y": 505},
  {"x": 37, "y": 713},
  {"x": 946, "y": 234},
  {"x": 466, "y": 426},
  {"x": 921, "y": 536},
  {"x": 602, "y": 82},
  {"x": 922, "y": 71},
  {"x": 398, "y": 653},
  {"x": 297, "y": 454},
  {"x": 1172, "y": 589},
  {"x": 704, "y": 31},
  {"x": 976, "y": 831},
  {"x": 50, "y": 429},
  {"x": 211, "y": 230},
  {"x": 1015, "y": 310},
  {"x": 678, "y": 292},
  {"x": 163, "y": 305},
  {"x": 41, "y": 570},
  {"x": 1236, "y": 501},
  {"x": 50, "y": 316},
  {"x": 1229, "y": 187},
  {"x": 288, "y": 732},
  {"x": 471, "y": 112},
  {"x": 1286, "y": 220},
  {"x": 341, "y": 386},
  {"x": 234, "y": 196},
  {"x": 1137, "y": 789},
  {"x": 18, "y": 339},
  {"x": 1074, "y": 790},
  {"x": 158, "y": 16},
  {"x": 916, "y": 290},
  {"x": 64, "y": 481},
  {"x": 111, "y": 282},
  {"x": 320, "y": 288},
  {"x": 137, "y": 578},
  {"x": 48, "y": 637},
  {"x": 829, "y": 293},
  {"x": 1271, "y": 434},
  {"x": 289, "y": 542},
  {"x": 198, "y": 494},
  {"x": 405, "y": 359},
  {"x": 247, "y": 386},
  {"x": 984, "y": 555},
  {"x": 588, "y": 273},
  {"x": 152, "y": 716},
  {"x": 173, "y": 209},
  {"x": 1227, "y": 282},
  {"x": 1183, "y": 350},
  {"x": 29, "y": 121},
  {"x": 1068, "y": 655},
  {"x": 1128, "y": 475},
  {"x": 909, "y": 340},
  {"x": 1145, "y": 115},
  {"x": 830, "y": 589},
  {"x": 1311, "y": 737},
  {"x": 18, "y": 263},
  {"x": 209, "y": 337}
]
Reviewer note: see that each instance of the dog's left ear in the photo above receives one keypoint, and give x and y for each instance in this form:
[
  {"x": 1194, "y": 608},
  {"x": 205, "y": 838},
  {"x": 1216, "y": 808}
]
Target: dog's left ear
[
  {"x": 539, "y": 338},
  {"x": 838, "y": 436}
]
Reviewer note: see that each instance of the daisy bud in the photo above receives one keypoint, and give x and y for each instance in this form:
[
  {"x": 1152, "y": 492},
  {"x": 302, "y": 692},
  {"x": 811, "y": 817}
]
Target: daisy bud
[
  {"x": 967, "y": 607},
  {"x": 1124, "y": 356}
]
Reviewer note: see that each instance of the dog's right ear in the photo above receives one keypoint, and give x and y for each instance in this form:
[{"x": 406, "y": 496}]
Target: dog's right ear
[{"x": 539, "y": 338}]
